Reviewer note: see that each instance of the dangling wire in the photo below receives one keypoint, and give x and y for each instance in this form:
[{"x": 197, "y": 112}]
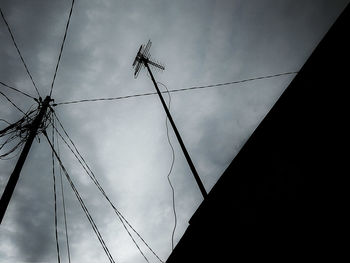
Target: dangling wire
[
  {"x": 14, "y": 136},
  {"x": 171, "y": 167},
  {"x": 54, "y": 192}
]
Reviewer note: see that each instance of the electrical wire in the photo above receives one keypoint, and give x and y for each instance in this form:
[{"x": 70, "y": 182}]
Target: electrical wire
[
  {"x": 62, "y": 45},
  {"x": 19, "y": 52},
  {"x": 5, "y": 121},
  {"x": 171, "y": 167},
  {"x": 105, "y": 99},
  {"x": 176, "y": 90},
  {"x": 63, "y": 204},
  {"x": 54, "y": 191},
  {"x": 13, "y": 156},
  {"x": 16, "y": 134},
  {"x": 236, "y": 82},
  {"x": 17, "y": 90},
  {"x": 81, "y": 202},
  {"x": 92, "y": 176},
  {"x": 13, "y": 104}
]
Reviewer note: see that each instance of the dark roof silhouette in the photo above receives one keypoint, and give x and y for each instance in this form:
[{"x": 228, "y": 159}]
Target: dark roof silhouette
[{"x": 276, "y": 201}]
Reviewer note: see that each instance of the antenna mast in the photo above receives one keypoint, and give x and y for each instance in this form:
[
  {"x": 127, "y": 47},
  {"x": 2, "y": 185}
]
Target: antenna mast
[{"x": 143, "y": 59}]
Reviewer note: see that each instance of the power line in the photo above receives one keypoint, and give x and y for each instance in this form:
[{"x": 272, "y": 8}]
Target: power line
[
  {"x": 14, "y": 105},
  {"x": 19, "y": 52},
  {"x": 62, "y": 45},
  {"x": 19, "y": 129},
  {"x": 236, "y": 82},
  {"x": 81, "y": 202},
  {"x": 177, "y": 90},
  {"x": 171, "y": 168},
  {"x": 5, "y": 121},
  {"x": 105, "y": 99},
  {"x": 92, "y": 176},
  {"x": 54, "y": 192},
  {"x": 25, "y": 94},
  {"x": 64, "y": 205}
]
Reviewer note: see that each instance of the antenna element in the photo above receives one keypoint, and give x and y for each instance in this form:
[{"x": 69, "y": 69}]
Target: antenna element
[{"x": 143, "y": 57}]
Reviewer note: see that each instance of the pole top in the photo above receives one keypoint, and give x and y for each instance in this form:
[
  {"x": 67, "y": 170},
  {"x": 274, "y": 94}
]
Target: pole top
[{"x": 47, "y": 100}]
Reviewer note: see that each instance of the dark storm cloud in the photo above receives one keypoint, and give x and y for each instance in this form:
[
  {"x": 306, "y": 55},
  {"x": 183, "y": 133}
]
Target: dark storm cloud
[{"x": 124, "y": 142}]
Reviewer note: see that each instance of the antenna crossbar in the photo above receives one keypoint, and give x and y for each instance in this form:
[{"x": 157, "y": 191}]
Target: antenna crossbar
[{"x": 143, "y": 57}]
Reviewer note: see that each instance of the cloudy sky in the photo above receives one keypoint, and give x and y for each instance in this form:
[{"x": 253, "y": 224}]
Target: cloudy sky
[{"x": 200, "y": 42}]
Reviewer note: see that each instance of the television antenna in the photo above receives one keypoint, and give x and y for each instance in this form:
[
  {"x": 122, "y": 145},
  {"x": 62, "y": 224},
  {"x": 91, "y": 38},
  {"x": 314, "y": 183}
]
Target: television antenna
[
  {"x": 143, "y": 57},
  {"x": 141, "y": 60}
]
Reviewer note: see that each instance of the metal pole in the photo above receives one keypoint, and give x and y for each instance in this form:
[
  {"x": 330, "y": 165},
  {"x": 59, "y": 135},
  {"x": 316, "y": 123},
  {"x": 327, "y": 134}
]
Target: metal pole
[
  {"x": 11, "y": 184},
  {"x": 188, "y": 158}
]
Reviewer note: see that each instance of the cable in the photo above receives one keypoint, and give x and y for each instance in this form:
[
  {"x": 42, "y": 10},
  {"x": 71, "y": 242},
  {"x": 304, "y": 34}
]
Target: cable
[
  {"x": 176, "y": 90},
  {"x": 13, "y": 156},
  {"x": 62, "y": 45},
  {"x": 54, "y": 191},
  {"x": 104, "y": 99},
  {"x": 15, "y": 135},
  {"x": 92, "y": 176},
  {"x": 5, "y": 121},
  {"x": 236, "y": 82},
  {"x": 19, "y": 52},
  {"x": 64, "y": 205},
  {"x": 23, "y": 93},
  {"x": 81, "y": 202},
  {"x": 171, "y": 167},
  {"x": 11, "y": 132},
  {"x": 12, "y": 103},
  {"x": 18, "y": 130},
  {"x": 89, "y": 172}
]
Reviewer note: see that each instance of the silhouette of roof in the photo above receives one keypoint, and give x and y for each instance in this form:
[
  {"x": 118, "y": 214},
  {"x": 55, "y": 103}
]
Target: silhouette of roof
[{"x": 276, "y": 201}]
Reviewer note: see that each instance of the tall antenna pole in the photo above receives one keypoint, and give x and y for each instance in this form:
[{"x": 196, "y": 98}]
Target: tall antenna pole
[
  {"x": 142, "y": 57},
  {"x": 11, "y": 184}
]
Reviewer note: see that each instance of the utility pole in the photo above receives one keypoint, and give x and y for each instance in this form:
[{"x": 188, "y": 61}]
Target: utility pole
[
  {"x": 11, "y": 184},
  {"x": 143, "y": 58}
]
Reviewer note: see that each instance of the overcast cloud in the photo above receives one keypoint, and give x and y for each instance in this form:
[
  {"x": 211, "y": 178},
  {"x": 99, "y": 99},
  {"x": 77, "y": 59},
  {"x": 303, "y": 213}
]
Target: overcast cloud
[{"x": 200, "y": 42}]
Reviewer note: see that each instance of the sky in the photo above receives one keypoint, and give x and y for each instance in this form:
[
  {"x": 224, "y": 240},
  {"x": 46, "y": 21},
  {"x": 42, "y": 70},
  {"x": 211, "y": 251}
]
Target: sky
[{"x": 200, "y": 42}]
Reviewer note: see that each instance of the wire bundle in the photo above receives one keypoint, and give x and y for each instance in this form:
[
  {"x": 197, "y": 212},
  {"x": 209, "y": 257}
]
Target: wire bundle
[{"x": 16, "y": 134}]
